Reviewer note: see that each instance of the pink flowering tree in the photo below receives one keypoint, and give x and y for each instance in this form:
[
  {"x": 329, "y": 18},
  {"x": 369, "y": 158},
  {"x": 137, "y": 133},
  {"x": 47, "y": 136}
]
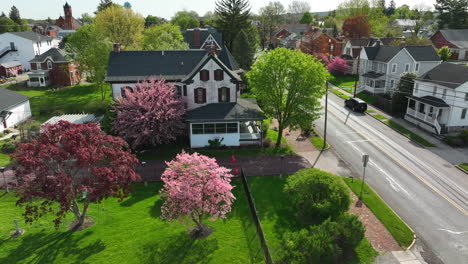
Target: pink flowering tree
[
  {"x": 338, "y": 66},
  {"x": 149, "y": 114},
  {"x": 196, "y": 186},
  {"x": 68, "y": 167},
  {"x": 322, "y": 57}
]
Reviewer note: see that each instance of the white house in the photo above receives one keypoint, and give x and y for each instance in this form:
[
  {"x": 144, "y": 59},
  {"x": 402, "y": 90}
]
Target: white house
[
  {"x": 381, "y": 67},
  {"x": 14, "y": 108},
  {"x": 439, "y": 102},
  {"x": 24, "y": 46},
  {"x": 208, "y": 84}
]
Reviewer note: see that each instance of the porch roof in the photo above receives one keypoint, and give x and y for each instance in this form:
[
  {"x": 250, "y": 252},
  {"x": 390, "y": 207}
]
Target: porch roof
[
  {"x": 431, "y": 100},
  {"x": 243, "y": 110},
  {"x": 373, "y": 75}
]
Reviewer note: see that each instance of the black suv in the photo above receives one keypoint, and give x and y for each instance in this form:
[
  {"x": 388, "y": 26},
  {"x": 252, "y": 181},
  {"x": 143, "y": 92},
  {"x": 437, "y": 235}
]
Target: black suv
[{"x": 356, "y": 104}]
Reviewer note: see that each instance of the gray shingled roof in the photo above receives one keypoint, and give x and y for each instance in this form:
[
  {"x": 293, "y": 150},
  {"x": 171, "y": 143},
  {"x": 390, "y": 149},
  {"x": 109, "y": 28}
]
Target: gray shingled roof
[
  {"x": 447, "y": 74},
  {"x": 423, "y": 53},
  {"x": 57, "y": 55},
  {"x": 243, "y": 110},
  {"x": 31, "y": 36},
  {"x": 10, "y": 99},
  {"x": 75, "y": 119},
  {"x": 458, "y": 37},
  {"x": 386, "y": 53},
  {"x": 226, "y": 57},
  {"x": 431, "y": 100},
  {"x": 204, "y": 33},
  {"x": 11, "y": 64}
]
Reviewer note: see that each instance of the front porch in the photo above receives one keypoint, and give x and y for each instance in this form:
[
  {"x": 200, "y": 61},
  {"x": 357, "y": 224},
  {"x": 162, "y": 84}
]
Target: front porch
[
  {"x": 372, "y": 82},
  {"x": 428, "y": 112},
  {"x": 39, "y": 78}
]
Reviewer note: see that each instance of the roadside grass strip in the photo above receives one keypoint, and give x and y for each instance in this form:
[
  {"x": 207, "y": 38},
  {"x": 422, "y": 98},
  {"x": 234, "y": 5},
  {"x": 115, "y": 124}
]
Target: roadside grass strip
[
  {"x": 400, "y": 231},
  {"x": 464, "y": 166},
  {"x": 381, "y": 117},
  {"x": 370, "y": 111},
  {"x": 318, "y": 143},
  {"x": 340, "y": 94},
  {"x": 367, "y": 98},
  {"x": 408, "y": 133}
]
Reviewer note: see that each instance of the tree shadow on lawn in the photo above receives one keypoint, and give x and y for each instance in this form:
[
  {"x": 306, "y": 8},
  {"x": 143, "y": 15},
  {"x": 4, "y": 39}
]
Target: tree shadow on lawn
[
  {"x": 179, "y": 249},
  {"x": 141, "y": 192},
  {"x": 50, "y": 248}
]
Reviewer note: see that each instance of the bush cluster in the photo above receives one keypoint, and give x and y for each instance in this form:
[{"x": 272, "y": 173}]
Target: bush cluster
[{"x": 460, "y": 140}]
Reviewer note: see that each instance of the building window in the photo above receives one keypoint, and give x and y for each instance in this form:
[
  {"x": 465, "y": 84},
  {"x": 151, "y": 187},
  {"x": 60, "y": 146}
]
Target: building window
[
  {"x": 232, "y": 127},
  {"x": 431, "y": 111},
  {"x": 392, "y": 83},
  {"x": 38, "y": 66},
  {"x": 407, "y": 66},
  {"x": 208, "y": 128},
  {"x": 215, "y": 128},
  {"x": 444, "y": 93},
  {"x": 348, "y": 51},
  {"x": 178, "y": 91},
  {"x": 204, "y": 75},
  {"x": 416, "y": 88},
  {"x": 185, "y": 90},
  {"x": 466, "y": 97},
  {"x": 332, "y": 47},
  {"x": 200, "y": 95},
  {"x": 463, "y": 114},
  {"x": 219, "y": 75},
  {"x": 412, "y": 104},
  {"x": 416, "y": 68},
  {"x": 224, "y": 95},
  {"x": 197, "y": 129},
  {"x": 394, "y": 68},
  {"x": 221, "y": 128},
  {"x": 125, "y": 90},
  {"x": 421, "y": 108},
  {"x": 434, "y": 91},
  {"x": 49, "y": 65}
]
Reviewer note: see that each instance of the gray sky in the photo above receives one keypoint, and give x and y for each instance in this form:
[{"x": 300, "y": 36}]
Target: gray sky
[{"x": 41, "y": 9}]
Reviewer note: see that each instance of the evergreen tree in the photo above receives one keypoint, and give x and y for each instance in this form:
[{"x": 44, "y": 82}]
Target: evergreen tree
[
  {"x": 104, "y": 4},
  {"x": 452, "y": 13},
  {"x": 391, "y": 8},
  {"x": 49, "y": 21},
  {"x": 245, "y": 46},
  {"x": 15, "y": 15},
  {"x": 3, "y": 14},
  {"x": 404, "y": 88},
  {"x": 232, "y": 17}
]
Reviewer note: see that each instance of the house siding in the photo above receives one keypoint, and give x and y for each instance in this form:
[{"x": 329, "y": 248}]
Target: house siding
[{"x": 19, "y": 114}]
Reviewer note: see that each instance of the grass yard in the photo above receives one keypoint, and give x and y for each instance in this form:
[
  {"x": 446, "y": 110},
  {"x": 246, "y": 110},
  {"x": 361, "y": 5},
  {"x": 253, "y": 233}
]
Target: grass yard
[
  {"x": 381, "y": 117},
  {"x": 4, "y": 158},
  {"x": 28, "y": 91},
  {"x": 318, "y": 142},
  {"x": 129, "y": 232},
  {"x": 370, "y": 111},
  {"x": 276, "y": 219},
  {"x": 399, "y": 230},
  {"x": 409, "y": 133},
  {"x": 343, "y": 80},
  {"x": 464, "y": 166},
  {"x": 366, "y": 97},
  {"x": 340, "y": 94},
  {"x": 168, "y": 152}
]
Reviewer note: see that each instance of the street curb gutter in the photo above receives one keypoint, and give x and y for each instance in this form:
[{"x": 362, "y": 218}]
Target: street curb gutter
[{"x": 462, "y": 169}]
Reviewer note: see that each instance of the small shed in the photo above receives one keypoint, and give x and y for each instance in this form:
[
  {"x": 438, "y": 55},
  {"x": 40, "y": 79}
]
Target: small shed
[
  {"x": 10, "y": 69},
  {"x": 75, "y": 119}
]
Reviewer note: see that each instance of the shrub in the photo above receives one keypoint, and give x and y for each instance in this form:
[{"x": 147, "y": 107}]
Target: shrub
[
  {"x": 215, "y": 143},
  {"x": 107, "y": 122},
  {"x": 6, "y": 131},
  {"x": 9, "y": 147},
  {"x": 316, "y": 195},
  {"x": 329, "y": 242}
]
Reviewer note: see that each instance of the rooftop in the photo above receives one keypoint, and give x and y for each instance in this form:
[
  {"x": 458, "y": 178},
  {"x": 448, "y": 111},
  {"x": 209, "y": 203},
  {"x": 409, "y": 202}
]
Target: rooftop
[
  {"x": 243, "y": 110},
  {"x": 447, "y": 74},
  {"x": 9, "y": 99}
]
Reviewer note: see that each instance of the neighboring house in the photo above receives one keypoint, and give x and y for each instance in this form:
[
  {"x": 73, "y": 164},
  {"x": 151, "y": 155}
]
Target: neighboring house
[
  {"x": 10, "y": 69},
  {"x": 14, "y": 108},
  {"x": 285, "y": 31},
  {"x": 52, "y": 67},
  {"x": 47, "y": 30},
  {"x": 407, "y": 26},
  {"x": 74, "y": 118},
  {"x": 204, "y": 38},
  {"x": 318, "y": 41},
  {"x": 208, "y": 84},
  {"x": 455, "y": 39},
  {"x": 23, "y": 46},
  {"x": 67, "y": 22},
  {"x": 439, "y": 102},
  {"x": 382, "y": 67}
]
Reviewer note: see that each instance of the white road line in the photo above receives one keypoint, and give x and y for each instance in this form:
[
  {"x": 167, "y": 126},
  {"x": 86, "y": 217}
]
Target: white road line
[
  {"x": 452, "y": 232},
  {"x": 357, "y": 141}
]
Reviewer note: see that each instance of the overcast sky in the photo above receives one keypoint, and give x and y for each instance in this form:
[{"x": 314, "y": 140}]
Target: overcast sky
[{"x": 41, "y": 9}]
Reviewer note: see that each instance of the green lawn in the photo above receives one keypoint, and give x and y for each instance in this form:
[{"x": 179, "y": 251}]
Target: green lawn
[
  {"x": 130, "y": 232},
  {"x": 276, "y": 219},
  {"x": 409, "y": 133},
  {"x": 168, "y": 152},
  {"x": 340, "y": 94},
  {"x": 343, "y": 80},
  {"x": 366, "y": 97},
  {"x": 4, "y": 158},
  {"x": 464, "y": 166},
  {"x": 370, "y": 111},
  {"x": 30, "y": 92},
  {"x": 317, "y": 142},
  {"x": 399, "y": 230},
  {"x": 381, "y": 117}
]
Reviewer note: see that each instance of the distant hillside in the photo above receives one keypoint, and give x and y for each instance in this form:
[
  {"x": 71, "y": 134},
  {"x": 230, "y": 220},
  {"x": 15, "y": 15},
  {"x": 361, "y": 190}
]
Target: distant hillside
[{"x": 321, "y": 14}]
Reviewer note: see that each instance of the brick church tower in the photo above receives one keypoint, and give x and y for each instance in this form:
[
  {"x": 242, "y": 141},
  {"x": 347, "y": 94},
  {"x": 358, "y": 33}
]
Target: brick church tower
[{"x": 68, "y": 23}]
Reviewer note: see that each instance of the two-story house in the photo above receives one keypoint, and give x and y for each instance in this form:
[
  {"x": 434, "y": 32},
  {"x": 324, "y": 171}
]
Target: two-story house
[
  {"x": 319, "y": 41},
  {"x": 455, "y": 39},
  {"x": 52, "y": 67},
  {"x": 439, "y": 102},
  {"x": 23, "y": 46},
  {"x": 381, "y": 67},
  {"x": 207, "y": 83}
]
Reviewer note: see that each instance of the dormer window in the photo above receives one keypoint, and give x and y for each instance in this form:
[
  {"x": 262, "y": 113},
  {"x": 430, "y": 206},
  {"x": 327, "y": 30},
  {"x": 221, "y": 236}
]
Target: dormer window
[
  {"x": 204, "y": 75},
  {"x": 49, "y": 65},
  {"x": 38, "y": 66},
  {"x": 219, "y": 75}
]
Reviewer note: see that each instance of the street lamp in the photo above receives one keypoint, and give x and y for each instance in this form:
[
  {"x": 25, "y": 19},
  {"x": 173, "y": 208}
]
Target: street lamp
[
  {"x": 2, "y": 170},
  {"x": 326, "y": 116},
  {"x": 365, "y": 160}
]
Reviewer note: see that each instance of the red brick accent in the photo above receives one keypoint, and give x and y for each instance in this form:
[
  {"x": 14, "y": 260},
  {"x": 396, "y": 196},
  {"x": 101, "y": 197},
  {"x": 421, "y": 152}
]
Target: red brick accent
[{"x": 323, "y": 44}]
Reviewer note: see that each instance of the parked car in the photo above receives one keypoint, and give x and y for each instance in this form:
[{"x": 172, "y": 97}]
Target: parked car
[{"x": 356, "y": 104}]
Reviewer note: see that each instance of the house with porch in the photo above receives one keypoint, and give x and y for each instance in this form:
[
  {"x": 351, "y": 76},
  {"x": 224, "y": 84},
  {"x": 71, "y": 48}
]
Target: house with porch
[
  {"x": 52, "y": 67},
  {"x": 381, "y": 67},
  {"x": 455, "y": 39},
  {"x": 208, "y": 84},
  {"x": 439, "y": 103}
]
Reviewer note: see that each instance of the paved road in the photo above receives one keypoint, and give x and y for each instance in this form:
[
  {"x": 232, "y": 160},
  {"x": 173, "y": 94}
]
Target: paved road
[{"x": 426, "y": 191}]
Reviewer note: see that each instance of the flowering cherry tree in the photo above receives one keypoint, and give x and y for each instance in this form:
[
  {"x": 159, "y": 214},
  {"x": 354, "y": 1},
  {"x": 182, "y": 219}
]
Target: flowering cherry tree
[
  {"x": 195, "y": 186},
  {"x": 149, "y": 114},
  {"x": 338, "y": 66},
  {"x": 68, "y": 164},
  {"x": 322, "y": 57}
]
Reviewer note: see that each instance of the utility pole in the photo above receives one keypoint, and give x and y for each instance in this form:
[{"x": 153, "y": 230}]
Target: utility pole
[
  {"x": 358, "y": 64},
  {"x": 326, "y": 117},
  {"x": 365, "y": 160}
]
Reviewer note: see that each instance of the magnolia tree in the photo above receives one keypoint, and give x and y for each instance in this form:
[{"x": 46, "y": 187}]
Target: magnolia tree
[
  {"x": 149, "y": 114},
  {"x": 322, "y": 57},
  {"x": 69, "y": 166},
  {"x": 196, "y": 186},
  {"x": 338, "y": 66}
]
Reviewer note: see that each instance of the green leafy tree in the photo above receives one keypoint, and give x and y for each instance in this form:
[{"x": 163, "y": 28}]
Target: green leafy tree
[
  {"x": 232, "y": 17},
  {"x": 86, "y": 18},
  {"x": 7, "y": 25},
  {"x": 307, "y": 18},
  {"x": 163, "y": 37},
  {"x": 403, "y": 12},
  {"x": 444, "y": 53},
  {"x": 3, "y": 14},
  {"x": 452, "y": 13},
  {"x": 245, "y": 47},
  {"x": 404, "y": 89},
  {"x": 15, "y": 15},
  {"x": 186, "y": 19},
  {"x": 90, "y": 51},
  {"x": 270, "y": 17},
  {"x": 120, "y": 25},
  {"x": 391, "y": 8},
  {"x": 352, "y": 8},
  {"x": 411, "y": 41},
  {"x": 153, "y": 20},
  {"x": 289, "y": 85}
]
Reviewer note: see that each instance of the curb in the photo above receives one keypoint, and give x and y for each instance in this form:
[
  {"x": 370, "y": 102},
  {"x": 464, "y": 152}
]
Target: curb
[{"x": 462, "y": 169}]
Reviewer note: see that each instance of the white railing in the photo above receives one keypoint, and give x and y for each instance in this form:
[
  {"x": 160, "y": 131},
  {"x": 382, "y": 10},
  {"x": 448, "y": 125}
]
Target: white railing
[
  {"x": 410, "y": 111},
  {"x": 438, "y": 127},
  {"x": 420, "y": 115},
  {"x": 250, "y": 136}
]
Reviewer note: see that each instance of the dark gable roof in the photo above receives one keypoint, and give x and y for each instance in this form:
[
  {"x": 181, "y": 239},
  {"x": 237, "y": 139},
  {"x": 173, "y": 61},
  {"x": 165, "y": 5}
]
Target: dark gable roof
[
  {"x": 204, "y": 34},
  {"x": 431, "y": 100},
  {"x": 57, "y": 55},
  {"x": 243, "y": 110},
  {"x": 226, "y": 57},
  {"x": 423, "y": 53},
  {"x": 9, "y": 99},
  {"x": 139, "y": 65},
  {"x": 31, "y": 36},
  {"x": 458, "y": 37},
  {"x": 447, "y": 74}
]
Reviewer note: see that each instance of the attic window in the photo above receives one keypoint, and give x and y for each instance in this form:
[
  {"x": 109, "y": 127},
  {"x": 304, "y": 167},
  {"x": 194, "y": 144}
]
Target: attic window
[
  {"x": 49, "y": 65},
  {"x": 204, "y": 75},
  {"x": 219, "y": 75}
]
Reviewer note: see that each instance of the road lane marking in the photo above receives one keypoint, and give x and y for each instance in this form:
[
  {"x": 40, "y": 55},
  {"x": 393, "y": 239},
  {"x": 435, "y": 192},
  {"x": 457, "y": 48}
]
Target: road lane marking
[
  {"x": 453, "y": 232},
  {"x": 448, "y": 199},
  {"x": 357, "y": 141}
]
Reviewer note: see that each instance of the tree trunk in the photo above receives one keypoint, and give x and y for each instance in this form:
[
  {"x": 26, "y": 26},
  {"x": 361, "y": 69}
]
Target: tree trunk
[
  {"x": 280, "y": 135},
  {"x": 80, "y": 215}
]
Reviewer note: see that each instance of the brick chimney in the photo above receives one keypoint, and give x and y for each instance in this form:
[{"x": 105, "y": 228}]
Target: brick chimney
[
  {"x": 196, "y": 37},
  {"x": 117, "y": 47}
]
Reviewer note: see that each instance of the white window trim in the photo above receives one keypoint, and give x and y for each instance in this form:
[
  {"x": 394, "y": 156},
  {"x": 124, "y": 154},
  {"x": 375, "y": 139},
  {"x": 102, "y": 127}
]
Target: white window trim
[
  {"x": 38, "y": 66},
  {"x": 394, "y": 67},
  {"x": 49, "y": 63}
]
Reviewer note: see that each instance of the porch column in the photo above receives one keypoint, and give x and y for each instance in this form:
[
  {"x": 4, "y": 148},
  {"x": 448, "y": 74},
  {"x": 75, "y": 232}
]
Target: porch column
[{"x": 261, "y": 134}]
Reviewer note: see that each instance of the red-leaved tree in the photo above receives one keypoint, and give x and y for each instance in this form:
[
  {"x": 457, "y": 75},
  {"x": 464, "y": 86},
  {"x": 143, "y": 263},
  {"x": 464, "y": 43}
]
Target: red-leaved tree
[
  {"x": 356, "y": 27},
  {"x": 338, "y": 66},
  {"x": 150, "y": 114},
  {"x": 195, "y": 186},
  {"x": 69, "y": 166},
  {"x": 322, "y": 57}
]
